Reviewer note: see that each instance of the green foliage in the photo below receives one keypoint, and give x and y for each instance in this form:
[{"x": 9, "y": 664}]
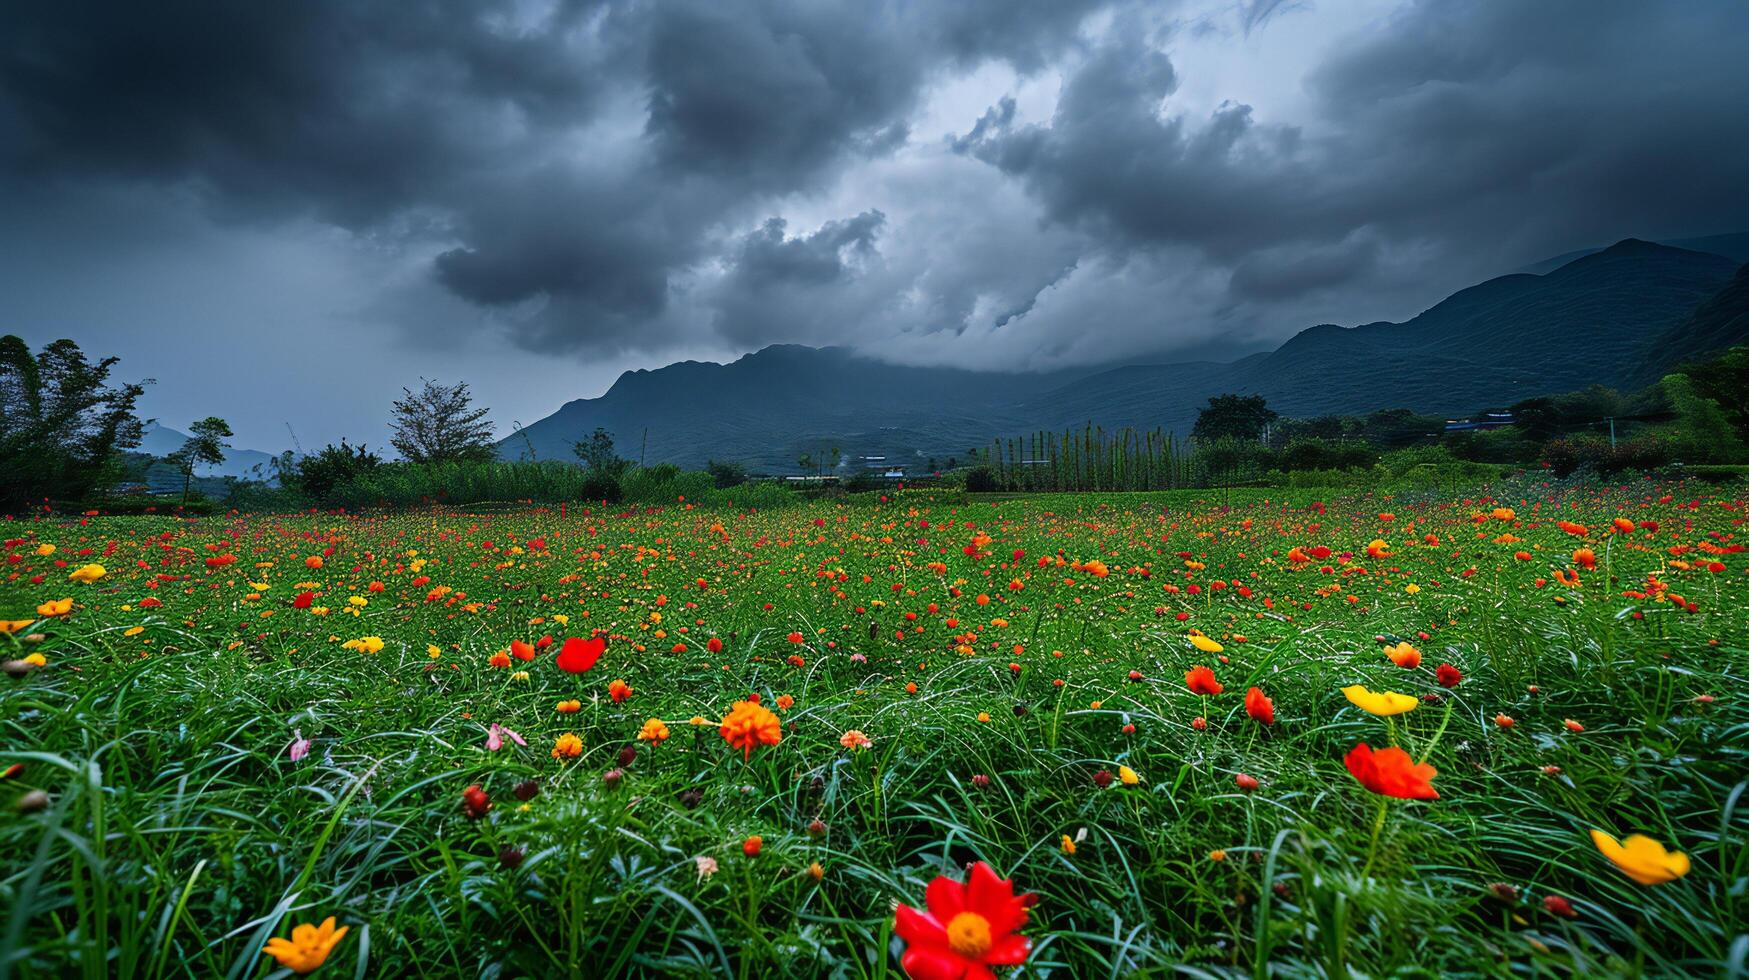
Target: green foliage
[
  {"x": 726, "y": 475},
  {"x": 598, "y": 454},
  {"x": 1702, "y": 431},
  {"x": 62, "y": 425},
  {"x": 1239, "y": 417},
  {"x": 438, "y": 424},
  {"x": 1725, "y": 380},
  {"x": 206, "y": 444},
  {"x": 319, "y": 476}
]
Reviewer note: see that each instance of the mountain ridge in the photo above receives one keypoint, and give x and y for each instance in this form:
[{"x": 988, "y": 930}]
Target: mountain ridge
[{"x": 1606, "y": 317}]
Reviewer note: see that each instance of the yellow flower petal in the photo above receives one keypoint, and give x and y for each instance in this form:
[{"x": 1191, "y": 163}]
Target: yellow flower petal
[{"x": 1381, "y": 703}]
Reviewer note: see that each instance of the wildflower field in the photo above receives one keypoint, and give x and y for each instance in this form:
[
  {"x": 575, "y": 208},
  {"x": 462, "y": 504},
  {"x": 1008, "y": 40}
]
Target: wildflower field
[{"x": 1256, "y": 732}]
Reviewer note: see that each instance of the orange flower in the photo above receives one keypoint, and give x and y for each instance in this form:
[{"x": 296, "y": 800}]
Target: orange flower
[
  {"x": 1201, "y": 680},
  {"x": 1585, "y": 558},
  {"x": 785, "y": 702},
  {"x": 314, "y": 561},
  {"x": 654, "y": 730},
  {"x": 1404, "y": 655},
  {"x": 855, "y": 739},
  {"x": 749, "y": 725},
  {"x": 619, "y": 690},
  {"x": 1390, "y": 772},
  {"x": 1258, "y": 706},
  {"x": 567, "y": 746},
  {"x": 570, "y": 707}
]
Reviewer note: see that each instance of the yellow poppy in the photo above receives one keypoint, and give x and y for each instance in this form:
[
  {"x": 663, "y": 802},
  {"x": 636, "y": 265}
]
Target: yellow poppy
[
  {"x": 1128, "y": 776},
  {"x": 1642, "y": 858},
  {"x": 1205, "y": 644},
  {"x": 88, "y": 573},
  {"x": 1381, "y": 703},
  {"x": 55, "y": 607}
]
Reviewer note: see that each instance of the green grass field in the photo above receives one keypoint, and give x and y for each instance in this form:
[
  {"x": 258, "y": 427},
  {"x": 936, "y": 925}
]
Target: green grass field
[{"x": 1004, "y": 659}]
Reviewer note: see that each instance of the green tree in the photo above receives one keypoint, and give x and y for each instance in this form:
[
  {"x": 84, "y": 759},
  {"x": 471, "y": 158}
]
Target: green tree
[
  {"x": 1241, "y": 417},
  {"x": 62, "y": 425},
  {"x": 598, "y": 454},
  {"x": 206, "y": 444},
  {"x": 319, "y": 475},
  {"x": 438, "y": 424},
  {"x": 1725, "y": 380},
  {"x": 726, "y": 475}
]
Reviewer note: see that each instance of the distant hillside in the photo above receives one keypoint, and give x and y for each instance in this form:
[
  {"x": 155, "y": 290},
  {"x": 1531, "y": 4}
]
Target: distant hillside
[
  {"x": 1607, "y": 317},
  {"x": 1717, "y": 324},
  {"x": 1733, "y": 246},
  {"x": 161, "y": 440}
]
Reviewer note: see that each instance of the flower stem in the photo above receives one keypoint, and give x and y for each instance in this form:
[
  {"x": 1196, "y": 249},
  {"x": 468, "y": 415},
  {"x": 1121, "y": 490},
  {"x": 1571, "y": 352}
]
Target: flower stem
[{"x": 1372, "y": 850}]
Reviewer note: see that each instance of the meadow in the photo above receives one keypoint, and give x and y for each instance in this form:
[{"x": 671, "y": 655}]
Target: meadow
[{"x": 699, "y": 741}]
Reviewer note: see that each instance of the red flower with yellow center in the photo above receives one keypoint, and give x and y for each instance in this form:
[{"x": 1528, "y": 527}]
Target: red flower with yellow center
[{"x": 966, "y": 929}]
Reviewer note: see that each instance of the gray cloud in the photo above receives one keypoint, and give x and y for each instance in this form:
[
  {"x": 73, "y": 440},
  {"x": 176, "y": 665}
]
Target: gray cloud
[{"x": 983, "y": 183}]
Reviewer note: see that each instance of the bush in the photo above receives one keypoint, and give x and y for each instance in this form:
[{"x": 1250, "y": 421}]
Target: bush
[
  {"x": 980, "y": 479},
  {"x": 1567, "y": 456},
  {"x": 726, "y": 475}
]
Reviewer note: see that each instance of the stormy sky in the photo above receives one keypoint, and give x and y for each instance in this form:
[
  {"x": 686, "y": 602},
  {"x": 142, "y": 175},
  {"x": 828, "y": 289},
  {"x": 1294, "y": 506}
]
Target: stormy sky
[{"x": 284, "y": 212}]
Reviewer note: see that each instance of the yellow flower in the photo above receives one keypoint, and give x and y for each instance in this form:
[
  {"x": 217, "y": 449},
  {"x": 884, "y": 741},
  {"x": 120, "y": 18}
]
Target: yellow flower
[
  {"x": 37, "y": 660},
  {"x": 55, "y": 607},
  {"x": 88, "y": 573},
  {"x": 134, "y": 631},
  {"x": 1642, "y": 858},
  {"x": 1127, "y": 776},
  {"x": 1411, "y": 588},
  {"x": 14, "y": 625},
  {"x": 45, "y": 550},
  {"x": 308, "y": 946},
  {"x": 1068, "y": 845},
  {"x": 1205, "y": 644},
  {"x": 1381, "y": 703},
  {"x": 365, "y": 644}
]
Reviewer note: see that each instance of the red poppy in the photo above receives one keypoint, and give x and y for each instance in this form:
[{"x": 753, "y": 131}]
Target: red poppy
[
  {"x": 1258, "y": 706},
  {"x": 1390, "y": 772},
  {"x": 1448, "y": 676},
  {"x": 578, "y": 655},
  {"x": 1201, "y": 680},
  {"x": 967, "y": 929},
  {"x": 521, "y": 650},
  {"x": 303, "y": 599}
]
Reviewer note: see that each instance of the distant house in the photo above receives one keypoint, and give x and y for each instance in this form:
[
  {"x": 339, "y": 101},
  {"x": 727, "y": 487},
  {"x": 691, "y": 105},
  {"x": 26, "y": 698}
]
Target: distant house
[{"x": 1492, "y": 420}]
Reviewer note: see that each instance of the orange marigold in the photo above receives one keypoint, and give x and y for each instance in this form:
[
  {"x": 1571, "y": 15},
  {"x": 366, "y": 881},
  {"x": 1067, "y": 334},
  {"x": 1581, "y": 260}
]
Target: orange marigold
[{"x": 749, "y": 725}]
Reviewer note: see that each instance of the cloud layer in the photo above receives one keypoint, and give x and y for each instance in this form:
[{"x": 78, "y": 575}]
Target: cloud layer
[{"x": 983, "y": 184}]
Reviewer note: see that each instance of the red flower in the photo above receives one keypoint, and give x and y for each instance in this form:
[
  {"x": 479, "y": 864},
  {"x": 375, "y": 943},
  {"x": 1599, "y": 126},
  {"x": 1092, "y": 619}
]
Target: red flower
[
  {"x": 967, "y": 929},
  {"x": 714, "y": 645},
  {"x": 1202, "y": 680},
  {"x": 475, "y": 802},
  {"x": 303, "y": 599},
  {"x": 521, "y": 650},
  {"x": 1258, "y": 706},
  {"x": 1448, "y": 675},
  {"x": 1390, "y": 772},
  {"x": 578, "y": 655}
]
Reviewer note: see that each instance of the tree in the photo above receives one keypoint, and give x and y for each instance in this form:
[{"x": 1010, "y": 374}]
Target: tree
[
  {"x": 61, "y": 424},
  {"x": 206, "y": 444},
  {"x": 726, "y": 475},
  {"x": 318, "y": 476},
  {"x": 1725, "y": 380},
  {"x": 439, "y": 425},
  {"x": 598, "y": 454},
  {"x": 1241, "y": 417}
]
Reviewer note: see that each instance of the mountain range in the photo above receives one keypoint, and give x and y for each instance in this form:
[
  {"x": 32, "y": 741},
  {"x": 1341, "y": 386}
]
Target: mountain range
[{"x": 1618, "y": 316}]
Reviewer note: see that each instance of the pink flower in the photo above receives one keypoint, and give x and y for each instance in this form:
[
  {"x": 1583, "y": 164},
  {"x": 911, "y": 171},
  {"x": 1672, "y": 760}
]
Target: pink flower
[
  {"x": 495, "y": 737},
  {"x": 300, "y": 746}
]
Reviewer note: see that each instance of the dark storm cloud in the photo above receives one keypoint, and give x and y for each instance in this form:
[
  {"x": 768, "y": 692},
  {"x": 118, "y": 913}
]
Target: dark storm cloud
[
  {"x": 1452, "y": 131},
  {"x": 643, "y": 176},
  {"x": 574, "y": 156}
]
